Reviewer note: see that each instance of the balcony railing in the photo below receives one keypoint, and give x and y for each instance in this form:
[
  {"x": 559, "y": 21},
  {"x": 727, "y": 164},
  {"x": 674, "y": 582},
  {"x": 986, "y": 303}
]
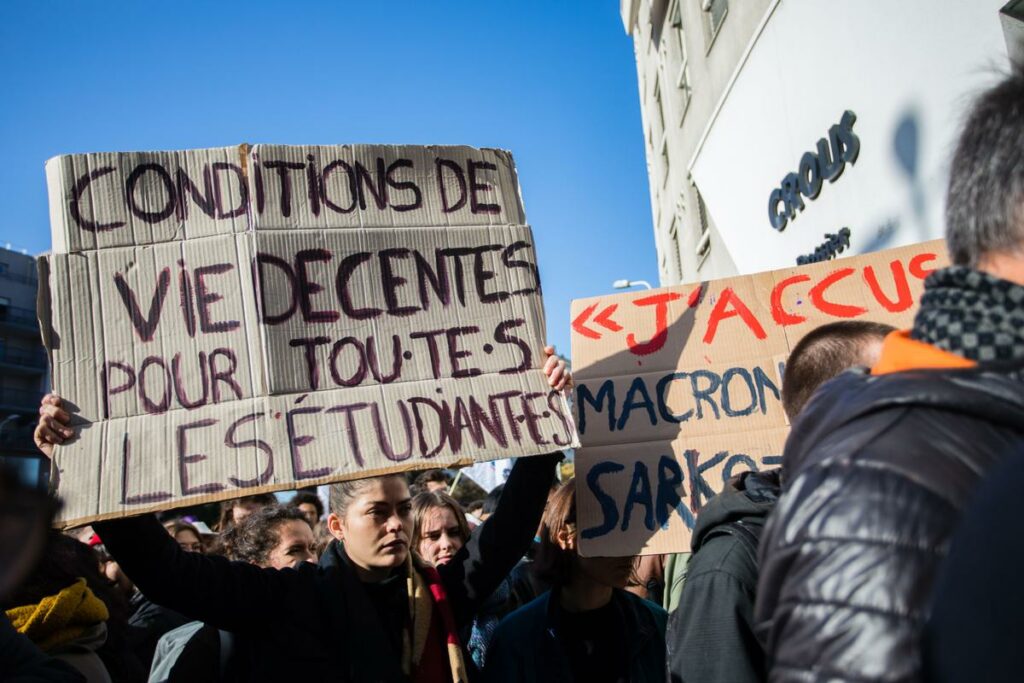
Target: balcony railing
[
  {"x": 14, "y": 315},
  {"x": 32, "y": 279},
  {"x": 25, "y": 358}
]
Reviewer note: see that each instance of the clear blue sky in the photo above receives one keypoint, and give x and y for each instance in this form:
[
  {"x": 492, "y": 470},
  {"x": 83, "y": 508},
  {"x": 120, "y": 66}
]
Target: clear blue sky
[{"x": 554, "y": 82}]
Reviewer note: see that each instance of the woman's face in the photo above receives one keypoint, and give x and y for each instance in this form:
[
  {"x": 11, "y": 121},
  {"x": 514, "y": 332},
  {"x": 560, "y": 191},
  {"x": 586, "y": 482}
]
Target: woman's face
[
  {"x": 440, "y": 536},
  {"x": 294, "y": 545},
  {"x": 376, "y": 527},
  {"x": 189, "y": 541}
]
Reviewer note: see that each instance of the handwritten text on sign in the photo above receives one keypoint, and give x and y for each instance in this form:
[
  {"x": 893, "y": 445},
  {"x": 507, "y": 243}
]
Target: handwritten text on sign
[
  {"x": 680, "y": 388},
  {"x": 252, "y": 318}
]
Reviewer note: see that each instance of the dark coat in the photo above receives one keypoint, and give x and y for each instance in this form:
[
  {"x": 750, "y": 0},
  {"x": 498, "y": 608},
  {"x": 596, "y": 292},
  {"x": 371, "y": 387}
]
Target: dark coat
[
  {"x": 876, "y": 473},
  {"x": 977, "y": 614},
  {"x": 318, "y": 621},
  {"x": 711, "y": 633},
  {"x": 524, "y": 647}
]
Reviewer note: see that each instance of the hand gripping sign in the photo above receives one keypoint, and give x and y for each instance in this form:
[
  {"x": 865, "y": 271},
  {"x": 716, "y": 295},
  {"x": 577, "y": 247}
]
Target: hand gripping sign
[
  {"x": 678, "y": 389},
  {"x": 246, "y": 319}
]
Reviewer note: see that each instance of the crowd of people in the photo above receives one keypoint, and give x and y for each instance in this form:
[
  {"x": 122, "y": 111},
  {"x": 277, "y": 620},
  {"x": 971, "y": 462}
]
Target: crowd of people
[{"x": 875, "y": 553}]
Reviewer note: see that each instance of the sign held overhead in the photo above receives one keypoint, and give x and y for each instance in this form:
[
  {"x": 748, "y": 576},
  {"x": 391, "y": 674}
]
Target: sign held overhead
[
  {"x": 678, "y": 389},
  {"x": 245, "y": 319}
]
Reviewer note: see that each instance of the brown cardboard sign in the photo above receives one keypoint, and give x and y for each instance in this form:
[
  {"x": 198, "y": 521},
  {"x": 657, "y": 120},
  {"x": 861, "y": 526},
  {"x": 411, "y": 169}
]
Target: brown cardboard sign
[
  {"x": 679, "y": 388},
  {"x": 243, "y": 319}
]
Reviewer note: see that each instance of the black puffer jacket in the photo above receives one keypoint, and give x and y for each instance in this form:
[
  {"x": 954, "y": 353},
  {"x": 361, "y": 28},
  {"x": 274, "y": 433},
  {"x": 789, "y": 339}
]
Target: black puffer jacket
[{"x": 875, "y": 475}]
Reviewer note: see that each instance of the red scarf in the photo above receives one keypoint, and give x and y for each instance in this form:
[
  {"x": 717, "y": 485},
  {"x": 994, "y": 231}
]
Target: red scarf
[{"x": 432, "y": 653}]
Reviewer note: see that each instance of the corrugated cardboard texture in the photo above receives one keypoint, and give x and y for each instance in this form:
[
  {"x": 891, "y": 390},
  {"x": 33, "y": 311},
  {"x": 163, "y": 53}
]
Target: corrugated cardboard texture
[
  {"x": 227, "y": 321},
  {"x": 677, "y": 389}
]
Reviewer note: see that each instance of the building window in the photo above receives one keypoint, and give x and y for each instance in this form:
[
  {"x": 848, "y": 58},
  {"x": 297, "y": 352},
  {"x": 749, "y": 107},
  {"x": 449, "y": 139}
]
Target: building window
[
  {"x": 675, "y": 22},
  {"x": 675, "y": 258},
  {"x": 704, "y": 238},
  {"x": 659, "y": 106},
  {"x": 713, "y": 13},
  {"x": 664, "y": 160}
]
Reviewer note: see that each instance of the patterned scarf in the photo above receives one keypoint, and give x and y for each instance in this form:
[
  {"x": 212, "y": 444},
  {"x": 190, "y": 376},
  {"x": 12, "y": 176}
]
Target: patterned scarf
[
  {"x": 972, "y": 314},
  {"x": 426, "y": 592}
]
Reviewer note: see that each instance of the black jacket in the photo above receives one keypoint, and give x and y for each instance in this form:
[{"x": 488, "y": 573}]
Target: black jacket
[
  {"x": 711, "y": 632},
  {"x": 977, "y": 609},
  {"x": 319, "y": 620},
  {"x": 876, "y": 473},
  {"x": 526, "y": 647}
]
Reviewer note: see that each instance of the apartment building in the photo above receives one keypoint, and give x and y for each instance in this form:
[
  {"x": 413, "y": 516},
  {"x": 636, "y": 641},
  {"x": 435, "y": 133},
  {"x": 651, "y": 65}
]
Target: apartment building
[
  {"x": 747, "y": 103},
  {"x": 23, "y": 368}
]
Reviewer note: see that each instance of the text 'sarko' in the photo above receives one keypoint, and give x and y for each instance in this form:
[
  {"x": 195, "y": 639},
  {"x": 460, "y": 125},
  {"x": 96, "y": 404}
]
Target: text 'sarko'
[
  {"x": 679, "y": 389},
  {"x": 268, "y": 317}
]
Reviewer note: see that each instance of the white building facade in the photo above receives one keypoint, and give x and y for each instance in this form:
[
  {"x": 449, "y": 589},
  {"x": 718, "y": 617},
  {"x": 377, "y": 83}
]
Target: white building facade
[{"x": 786, "y": 131}]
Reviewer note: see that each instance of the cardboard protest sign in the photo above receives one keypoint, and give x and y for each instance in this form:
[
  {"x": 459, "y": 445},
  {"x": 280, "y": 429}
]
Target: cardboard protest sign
[
  {"x": 227, "y": 321},
  {"x": 677, "y": 389}
]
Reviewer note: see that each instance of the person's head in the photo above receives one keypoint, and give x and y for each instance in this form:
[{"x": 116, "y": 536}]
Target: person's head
[
  {"x": 439, "y": 528},
  {"x": 475, "y": 507},
  {"x": 491, "y": 502},
  {"x": 431, "y": 480},
  {"x": 826, "y": 351},
  {"x": 985, "y": 197},
  {"x": 558, "y": 561},
  {"x": 234, "y": 511},
  {"x": 310, "y": 505},
  {"x": 276, "y": 537},
  {"x": 373, "y": 520},
  {"x": 187, "y": 536}
]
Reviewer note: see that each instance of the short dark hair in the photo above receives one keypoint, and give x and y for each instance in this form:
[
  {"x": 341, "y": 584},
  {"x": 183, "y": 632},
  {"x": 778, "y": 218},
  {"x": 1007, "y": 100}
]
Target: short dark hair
[
  {"x": 311, "y": 498},
  {"x": 822, "y": 354},
  {"x": 257, "y": 535},
  {"x": 553, "y": 564},
  {"x": 985, "y": 197},
  {"x": 430, "y": 475}
]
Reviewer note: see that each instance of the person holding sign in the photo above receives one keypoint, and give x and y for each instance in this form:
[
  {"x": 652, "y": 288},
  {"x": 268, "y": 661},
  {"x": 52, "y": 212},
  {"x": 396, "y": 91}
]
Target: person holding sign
[
  {"x": 879, "y": 468},
  {"x": 586, "y": 628},
  {"x": 370, "y": 610}
]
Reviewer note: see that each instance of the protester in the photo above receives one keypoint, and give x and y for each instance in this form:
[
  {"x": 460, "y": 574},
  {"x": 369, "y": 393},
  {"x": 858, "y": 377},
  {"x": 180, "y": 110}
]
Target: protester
[
  {"x": 310, "y": 505},
  {"x": 67, "y": 610},
  {"x": 276, "y": 536},
  {"x": 232, "y": 512},
  {"x": 273, "y": 537},
  {"x": 878, "y": 468},
  {"x": 430, "y": 481},
  {"x": 439, "y": 527},
  {"x": 711, "y": 633},
  {"x": 977, "y": 615},
  {"x": 187, "y": 535},
  {"x": 369, "y": 610},
  {"x": 587, "y": 627},
  {"x": 25, "y": 518}
]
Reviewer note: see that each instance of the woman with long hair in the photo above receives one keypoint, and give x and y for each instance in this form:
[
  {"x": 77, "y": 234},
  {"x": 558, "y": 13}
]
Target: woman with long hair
[
  {"x": 587, "y": 627},
  {"x": 369, "y": 610},
  {"x": 439, "y": 527}
]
